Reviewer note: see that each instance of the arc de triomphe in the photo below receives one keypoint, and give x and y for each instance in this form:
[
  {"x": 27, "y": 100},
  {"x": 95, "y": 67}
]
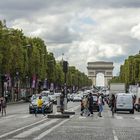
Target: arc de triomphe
[{"x": 100, "y": 67}]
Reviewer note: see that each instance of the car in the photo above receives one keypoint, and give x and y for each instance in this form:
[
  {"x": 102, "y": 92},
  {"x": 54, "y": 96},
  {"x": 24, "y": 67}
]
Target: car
[
  {"x": 48, "y": 105},
  {"x": 53, "y": 98},
  {"x": 124, "y": 102},
  {"x": 95, "y": 102},
  {"x": 77, "y": 97},
  {"x": 45, "y": 93}
]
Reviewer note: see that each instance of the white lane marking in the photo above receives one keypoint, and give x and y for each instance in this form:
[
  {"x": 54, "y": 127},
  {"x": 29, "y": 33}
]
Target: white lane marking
[
  {"x": 137, "y": 118},
  {"x": 26, "y": 116},
  {"x": 119, "y": 117},
  {"x": 50, "y": 130},
  {"x": 33, "y": 130},
  {"x": 16, "y": 130},
  {"x": 8, "y": 117},
  {"x": 115, "y": 136},
  {"x": 74, "y": 108},
  {"x": 81, "y": 117}
]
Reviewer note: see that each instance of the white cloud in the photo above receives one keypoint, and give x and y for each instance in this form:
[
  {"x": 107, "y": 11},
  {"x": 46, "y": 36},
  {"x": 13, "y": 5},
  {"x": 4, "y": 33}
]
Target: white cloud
[
  {"x": 136, "y": 31},
  {"x": 83, "y": 30}
]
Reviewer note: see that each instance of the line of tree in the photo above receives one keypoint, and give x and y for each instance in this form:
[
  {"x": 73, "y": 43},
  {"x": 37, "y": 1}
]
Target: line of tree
[
  {"x": 29, "y": 56},
  {"x": 129, "y": 71}
]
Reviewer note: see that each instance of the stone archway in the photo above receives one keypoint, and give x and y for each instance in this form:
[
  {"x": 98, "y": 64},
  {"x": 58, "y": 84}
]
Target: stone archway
[{"x": 100, "y": 67}]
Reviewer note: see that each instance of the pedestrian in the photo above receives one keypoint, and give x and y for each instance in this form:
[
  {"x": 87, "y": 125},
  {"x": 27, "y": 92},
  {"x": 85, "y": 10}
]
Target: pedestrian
[
  {"x": 100, "y": 103},
  {"x": 85, "y": 109},
  {"x": 39, "y": 106},
  {"x": 112, "y": 104},
  {"x": 90, "y": 101},
  {"x": 82, "y": 106},
  {"x": 62, "y": 102},
  {"x": 3, "y": 106}
]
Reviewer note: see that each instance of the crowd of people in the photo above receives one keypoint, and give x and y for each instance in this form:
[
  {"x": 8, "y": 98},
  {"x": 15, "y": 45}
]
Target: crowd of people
[{"x": 87, "y": 105}]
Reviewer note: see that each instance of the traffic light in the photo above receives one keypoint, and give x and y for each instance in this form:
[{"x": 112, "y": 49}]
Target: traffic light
[{"x": 65, "y": 66}]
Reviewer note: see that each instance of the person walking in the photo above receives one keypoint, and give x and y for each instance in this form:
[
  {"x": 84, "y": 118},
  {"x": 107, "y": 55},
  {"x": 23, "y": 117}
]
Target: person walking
[
  {"x": 39, "y": 106},
  {"x": 100, "y": 103},
  {"x": 112, "y": 103},
  {"x": 90, "y": 101},
  {"x": 3, "y": 106},
  {"x": 85, "y": 104},
  {"x": 62, "y": 102}
]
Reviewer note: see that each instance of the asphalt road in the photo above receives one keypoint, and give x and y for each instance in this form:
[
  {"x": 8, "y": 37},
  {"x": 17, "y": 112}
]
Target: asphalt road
[{"x": 20, "y": 125}]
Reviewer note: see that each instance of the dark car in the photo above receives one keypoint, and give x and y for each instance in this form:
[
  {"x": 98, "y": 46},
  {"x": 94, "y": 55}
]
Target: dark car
[
  {"x": 48, "y": 105},
  {"x": 95, "y": 102}
]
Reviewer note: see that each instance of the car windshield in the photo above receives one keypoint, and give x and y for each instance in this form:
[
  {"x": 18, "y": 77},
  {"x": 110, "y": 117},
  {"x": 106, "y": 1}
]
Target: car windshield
[{"x": 44, "y": 98}]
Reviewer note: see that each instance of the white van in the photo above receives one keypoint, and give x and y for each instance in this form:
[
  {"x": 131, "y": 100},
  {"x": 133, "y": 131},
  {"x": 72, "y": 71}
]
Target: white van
[{"x": 124, "y": 102}]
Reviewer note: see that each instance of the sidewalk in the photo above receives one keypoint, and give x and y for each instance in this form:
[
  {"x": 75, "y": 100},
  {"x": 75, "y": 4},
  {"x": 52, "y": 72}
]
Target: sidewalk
[{"x": 16, "y": 102}]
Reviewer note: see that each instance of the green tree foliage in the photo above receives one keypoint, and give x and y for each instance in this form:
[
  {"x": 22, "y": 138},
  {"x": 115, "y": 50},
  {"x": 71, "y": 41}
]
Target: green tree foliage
[
  {"x": 129, "y": 71},
  {"x": 29, "y": 56}
]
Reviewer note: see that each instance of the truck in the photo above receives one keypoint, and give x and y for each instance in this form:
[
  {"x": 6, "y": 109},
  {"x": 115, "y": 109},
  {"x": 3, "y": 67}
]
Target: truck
[
  {"x": 133, "y": 89},
  {"x": 117, "y": 88}
]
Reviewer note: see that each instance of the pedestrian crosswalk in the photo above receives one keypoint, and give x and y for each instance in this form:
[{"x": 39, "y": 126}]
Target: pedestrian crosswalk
[
  {"x": 25, "y": 116},
  {"x": 117, "y": 117},
  {"x": 20, "y": 116},
  {"x": 41, "y": 129},
  {"x": 35, "y": 131}
]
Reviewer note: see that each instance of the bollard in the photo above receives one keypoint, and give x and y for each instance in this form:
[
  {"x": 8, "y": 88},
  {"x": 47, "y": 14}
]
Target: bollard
[
  {"x": 65, "y": 103},
  {"x": 58, "y": 104}
]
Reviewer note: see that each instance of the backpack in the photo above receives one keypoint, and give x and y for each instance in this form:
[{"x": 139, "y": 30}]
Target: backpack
[{"x": 103, "y": 101}]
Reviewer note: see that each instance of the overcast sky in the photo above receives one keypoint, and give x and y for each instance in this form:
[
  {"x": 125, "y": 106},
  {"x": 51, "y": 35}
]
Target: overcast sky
[{"x": 84, "y": 30}]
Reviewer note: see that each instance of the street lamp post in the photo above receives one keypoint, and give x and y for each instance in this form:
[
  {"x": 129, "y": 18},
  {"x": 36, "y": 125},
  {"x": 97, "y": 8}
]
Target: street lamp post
[{"x": 28, "y": 74}]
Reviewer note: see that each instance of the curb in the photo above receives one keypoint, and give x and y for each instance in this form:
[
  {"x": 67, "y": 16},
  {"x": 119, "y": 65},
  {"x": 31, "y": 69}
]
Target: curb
[
  {"x": 63, "y": 116},
  {"x": 18, "y": 102},
  {"x": 69, "y": 113}
]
